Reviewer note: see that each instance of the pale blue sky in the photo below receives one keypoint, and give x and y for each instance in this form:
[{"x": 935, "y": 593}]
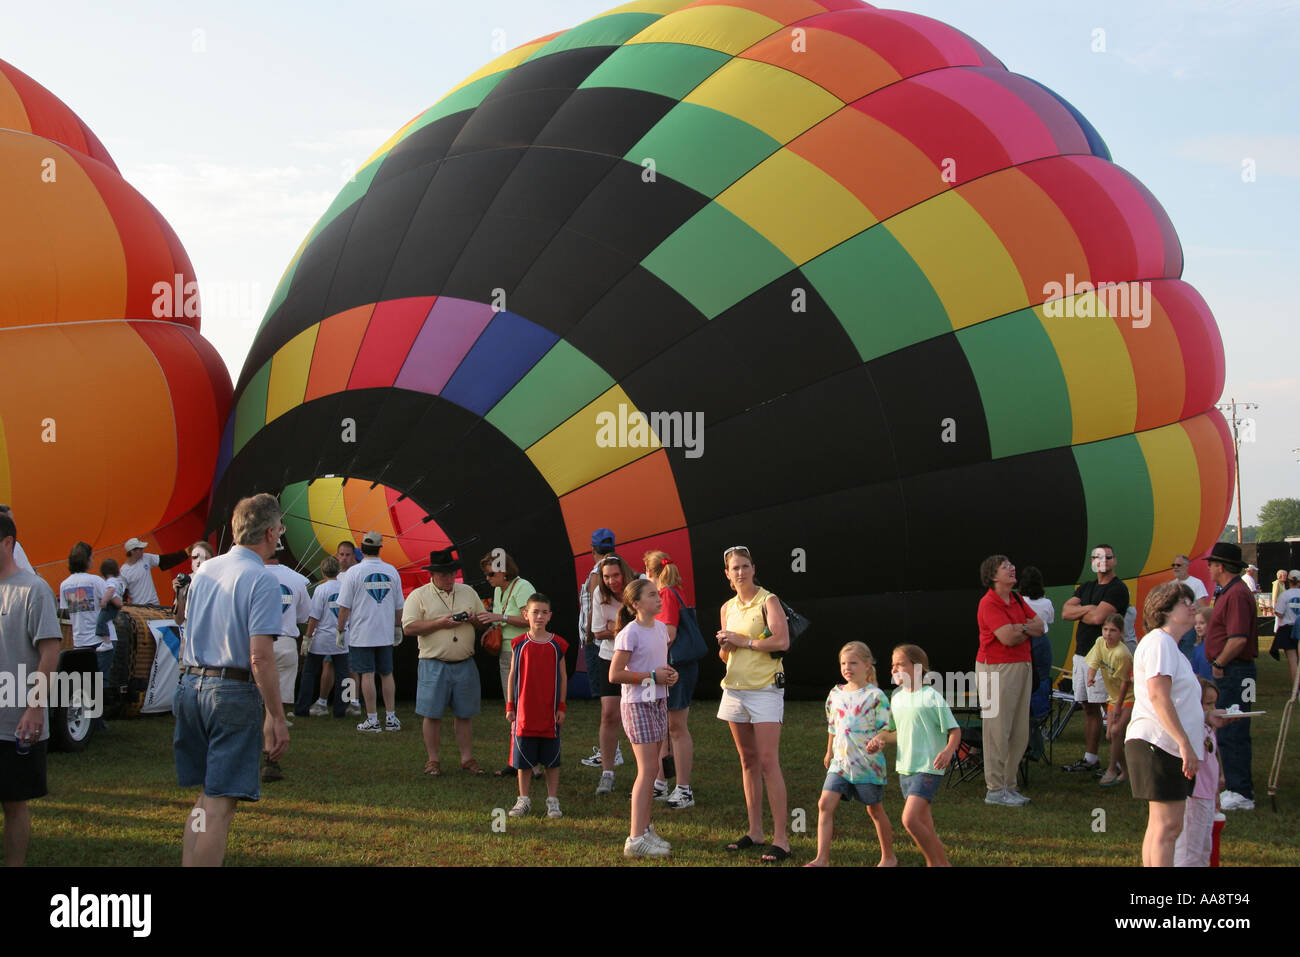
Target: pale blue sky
[{"x": 241, "y": 120}]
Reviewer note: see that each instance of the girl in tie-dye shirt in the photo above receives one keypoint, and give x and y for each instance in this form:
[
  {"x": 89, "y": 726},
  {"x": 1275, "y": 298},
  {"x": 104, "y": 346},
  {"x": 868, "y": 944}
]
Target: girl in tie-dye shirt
[{"x": 856, "y": 711}]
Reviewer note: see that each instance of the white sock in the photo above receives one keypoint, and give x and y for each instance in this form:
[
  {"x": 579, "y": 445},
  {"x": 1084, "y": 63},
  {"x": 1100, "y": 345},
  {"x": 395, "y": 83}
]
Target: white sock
[
  {"x": 373, "y": 716},
  {"x": 661, "y": 785},
  {"x": 322, "y": 702},
  {"x": 1090, "y": 757}
]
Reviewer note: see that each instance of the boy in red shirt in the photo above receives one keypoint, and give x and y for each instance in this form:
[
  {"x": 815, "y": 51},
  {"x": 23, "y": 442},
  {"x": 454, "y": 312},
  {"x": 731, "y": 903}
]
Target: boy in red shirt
[{"x": 535, "y": 702}]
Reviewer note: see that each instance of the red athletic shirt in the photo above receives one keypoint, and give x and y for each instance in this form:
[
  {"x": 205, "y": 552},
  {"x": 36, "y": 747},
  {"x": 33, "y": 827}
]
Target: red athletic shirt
[
  {"x": 671, "y": 612},
  {"x": 539, "y": 670}
]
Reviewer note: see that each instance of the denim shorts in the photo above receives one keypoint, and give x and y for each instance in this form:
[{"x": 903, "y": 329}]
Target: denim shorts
[
  {"x": 442, "y": 683},
  {"x": 364, "y": 661},
  {"x": 218, "y": 737},
  {"x": 868, "y": 794},
  {"x": 921, "y": 785},
  {"x": 680, "y": 694}
]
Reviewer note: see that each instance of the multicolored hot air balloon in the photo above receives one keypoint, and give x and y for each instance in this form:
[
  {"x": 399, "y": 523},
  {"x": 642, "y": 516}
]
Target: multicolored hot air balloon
[
  {"x": 111, "y": 403},
  {"x": 815, "y": 277}
]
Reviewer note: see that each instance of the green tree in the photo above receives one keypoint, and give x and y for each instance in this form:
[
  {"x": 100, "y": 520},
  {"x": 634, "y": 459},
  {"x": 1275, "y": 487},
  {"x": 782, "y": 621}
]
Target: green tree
[{"x": 1278, "y": 518}]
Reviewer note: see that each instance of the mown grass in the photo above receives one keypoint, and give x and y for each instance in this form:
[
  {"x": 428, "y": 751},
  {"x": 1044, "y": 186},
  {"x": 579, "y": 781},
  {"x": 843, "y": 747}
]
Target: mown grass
[{"x": 352, "y": 799}]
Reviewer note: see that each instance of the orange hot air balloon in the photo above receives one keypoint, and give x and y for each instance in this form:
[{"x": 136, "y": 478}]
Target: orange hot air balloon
[{"x": 111, "y": 403}]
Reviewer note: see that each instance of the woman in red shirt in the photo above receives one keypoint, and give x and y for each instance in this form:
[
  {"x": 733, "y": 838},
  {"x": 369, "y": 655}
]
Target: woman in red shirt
[{"x": 1005, "y": 678}]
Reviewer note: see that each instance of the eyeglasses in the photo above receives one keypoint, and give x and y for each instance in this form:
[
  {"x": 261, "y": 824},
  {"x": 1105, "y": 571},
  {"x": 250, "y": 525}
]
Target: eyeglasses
[
  {"x": 198, "y": 557},
  {"x": 1178, "y": 565}
]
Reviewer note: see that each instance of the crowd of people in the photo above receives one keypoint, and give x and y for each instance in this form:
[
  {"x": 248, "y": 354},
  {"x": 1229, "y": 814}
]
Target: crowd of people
[{"x": 1168, "y": 703}]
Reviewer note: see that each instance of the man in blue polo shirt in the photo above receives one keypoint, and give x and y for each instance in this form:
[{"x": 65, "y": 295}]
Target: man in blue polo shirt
[{"x": 227, "y": 672}]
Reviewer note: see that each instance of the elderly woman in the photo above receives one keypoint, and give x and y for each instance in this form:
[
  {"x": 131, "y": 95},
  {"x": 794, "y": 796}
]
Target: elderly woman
[
  {"x": 1004, "y": 672},
  {"x": 753, "y": 626},
  {"x": 1165, "y": 741},
  {"x": 510, "y": 593}
]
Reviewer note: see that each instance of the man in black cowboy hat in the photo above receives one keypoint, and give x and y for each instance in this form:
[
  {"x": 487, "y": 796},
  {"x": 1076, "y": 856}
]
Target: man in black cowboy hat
[
  {"x": 444, "y": 616},
  {"x": 1231, "y": 646}
]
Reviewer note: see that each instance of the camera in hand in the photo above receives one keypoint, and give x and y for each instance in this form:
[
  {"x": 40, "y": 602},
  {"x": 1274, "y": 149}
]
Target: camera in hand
[
  {"x": 460, "y": 616},
  {"x": 182, "y": 581}
]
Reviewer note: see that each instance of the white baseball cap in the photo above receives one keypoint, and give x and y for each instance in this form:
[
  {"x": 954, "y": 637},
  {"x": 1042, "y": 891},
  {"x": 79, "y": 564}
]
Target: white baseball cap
[{"x": 134, "y": 543}]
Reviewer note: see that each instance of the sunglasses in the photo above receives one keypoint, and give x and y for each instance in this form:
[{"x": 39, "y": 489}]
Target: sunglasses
[{"x": 735, "y": 548}]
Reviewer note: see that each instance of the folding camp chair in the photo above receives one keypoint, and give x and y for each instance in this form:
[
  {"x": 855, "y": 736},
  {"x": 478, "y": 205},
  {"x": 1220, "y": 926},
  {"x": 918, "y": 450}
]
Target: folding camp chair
[{"x": 968, "y": 762}]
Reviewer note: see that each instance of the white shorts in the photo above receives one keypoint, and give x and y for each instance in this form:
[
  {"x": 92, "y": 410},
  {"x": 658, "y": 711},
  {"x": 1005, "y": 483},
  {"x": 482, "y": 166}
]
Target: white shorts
[
  {"x": 286, "y": 663},
  {"x": 1094, "y": 693},
  {"x": 753, "y": 707}
]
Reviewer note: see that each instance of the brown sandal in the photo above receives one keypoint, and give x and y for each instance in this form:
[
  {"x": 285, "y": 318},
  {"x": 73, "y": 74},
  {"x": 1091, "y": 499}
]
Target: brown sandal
[
  {"x": 471, "y": 766},
  {"x": 432, "y": 769}
]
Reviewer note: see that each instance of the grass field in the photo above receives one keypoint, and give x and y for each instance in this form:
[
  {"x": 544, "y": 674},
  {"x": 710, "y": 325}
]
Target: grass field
[{"x": 352, "y": 799}]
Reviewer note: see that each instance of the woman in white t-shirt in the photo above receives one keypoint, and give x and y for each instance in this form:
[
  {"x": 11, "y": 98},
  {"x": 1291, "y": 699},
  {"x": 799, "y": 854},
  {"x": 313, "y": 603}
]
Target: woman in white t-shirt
[
  {"x": 614, "y": 574},
  {"x": 1165, "y": 742}
]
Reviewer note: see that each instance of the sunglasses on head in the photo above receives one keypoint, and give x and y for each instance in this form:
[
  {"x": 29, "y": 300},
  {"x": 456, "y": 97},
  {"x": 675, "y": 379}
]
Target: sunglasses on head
[{"x": 735, "y": 548}]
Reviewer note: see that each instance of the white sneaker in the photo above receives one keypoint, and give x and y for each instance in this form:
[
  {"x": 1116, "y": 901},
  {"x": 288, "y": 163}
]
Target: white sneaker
[
  {"x": 661, "y": 791},
  {"x": 392, "y": 724},
  {"x": 644, "y": 846},
  {"x": 318, "y": 710},
  {"x": 681, "y": 798},
  {"x": 593, "y": 759},
  {"x": 1232, "y": 801},
  {"x": 522, "y": 806},
  {"x": 354, "y": 710},
  {"x": 652, "y": 835},
  {"x": 1017, "y": 797},
  {"x": 606, "y": 785},
  {"x": 1003, "y": 798},
  {"x": 553, "y": 808},
  {"x": 370, "y": 726}
]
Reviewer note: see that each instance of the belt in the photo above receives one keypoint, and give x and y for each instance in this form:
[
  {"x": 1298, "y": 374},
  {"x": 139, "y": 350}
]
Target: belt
[{"x": 234, "y": 674}]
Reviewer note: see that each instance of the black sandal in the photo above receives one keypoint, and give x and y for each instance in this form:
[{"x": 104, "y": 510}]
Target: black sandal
[
  {"x": 774, "y": 855},
  {"x": 744, "y": 844}
]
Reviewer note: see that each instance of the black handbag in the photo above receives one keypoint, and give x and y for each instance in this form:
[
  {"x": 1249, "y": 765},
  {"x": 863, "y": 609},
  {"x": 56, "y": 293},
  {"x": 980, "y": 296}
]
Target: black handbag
[
  {"x": 689, "y": 644},
  {"x": 796, "y": 625}
]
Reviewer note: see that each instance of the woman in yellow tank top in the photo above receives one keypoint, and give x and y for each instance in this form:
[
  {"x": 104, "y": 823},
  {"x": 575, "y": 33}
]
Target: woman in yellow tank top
[{"x": 753, "y": 697}]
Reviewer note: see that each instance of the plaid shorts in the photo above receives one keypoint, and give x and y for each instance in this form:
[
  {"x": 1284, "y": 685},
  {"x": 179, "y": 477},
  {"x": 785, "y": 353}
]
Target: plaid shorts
[{"x": 645, "y": 722}]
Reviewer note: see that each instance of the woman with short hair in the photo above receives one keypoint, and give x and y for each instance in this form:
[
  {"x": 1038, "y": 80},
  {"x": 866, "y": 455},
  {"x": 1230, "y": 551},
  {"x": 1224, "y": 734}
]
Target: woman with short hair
[
  {"x": 1165, "y": 742},
  {"x": 1004, "y": 671}
]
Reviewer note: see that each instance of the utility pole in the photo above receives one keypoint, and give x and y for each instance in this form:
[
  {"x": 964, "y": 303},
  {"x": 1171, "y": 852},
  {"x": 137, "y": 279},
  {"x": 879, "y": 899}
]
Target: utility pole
[{"x": 1231, "y": 406}]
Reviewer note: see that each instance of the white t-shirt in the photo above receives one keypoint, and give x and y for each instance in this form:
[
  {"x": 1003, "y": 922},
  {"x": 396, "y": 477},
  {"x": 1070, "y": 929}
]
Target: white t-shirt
[
  {"x": 80, "y": 593},
  {"x": 20, "y": 557},
  {"x": 325, "y": 609},
  {"x": 295, "y": 603},
  {"x": 373, "y": 592},
  {"x": 118, "y": 584},
  {"x": 1196, "y": 585},
  {"x": 604, "y": 614},
  {"x": 1288, "y": 606},
  {"x": 1043, "y": 608},
  {"x": 1158, "y": 654},
  {"x": 139, "y": 582}
]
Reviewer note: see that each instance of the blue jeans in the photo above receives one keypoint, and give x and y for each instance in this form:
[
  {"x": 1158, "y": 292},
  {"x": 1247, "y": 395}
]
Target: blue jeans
[
  {"x": 308, "y": 684},
  {"x": 218, "y": 737},
  {"x": 1234, "y": 740}
]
